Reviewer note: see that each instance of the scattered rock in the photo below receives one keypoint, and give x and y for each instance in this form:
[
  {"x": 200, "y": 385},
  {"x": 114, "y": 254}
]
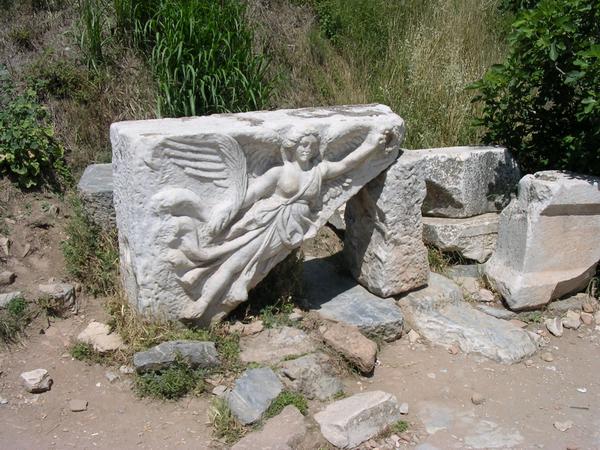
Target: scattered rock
[
  {"x": 518, "y": 323},
  {"x": 454, "y": 349},
  {"x": 351, "y": 344},
  {"x": 498, "y": 313},
  {"x": 539, "y": 254},
  {"x": 413, "y": 336},
  {"x": 547, "y": 356},
  {"x": 403, "y": 408},
  {"x": 338, "y": 298},
  {"x": 253, "y": 393},
  {"x": 574, "y": 302},
  {"x": 5, "y": 299},
  {"x": 283, "y": 432},
  {"x": 313, "y": 376},
  {"x": 219, "y": 390},
  {"x": 529, "y": 363},
  {"x": 349, "y": 422},
  {"x": 36, "y": 381},
  {"x": 563, "y": 426},
  {"x": 98, "y": 335},
  {"x": 78, "y": 405},
  {"x": 439, "y": 313},
  {"x": 95, "y": 189},
  {"x": 587, "y": 318},
  {"x": 111, "y": 376},
  {"x": 554, "y": 326},
  {"x": 590, "y": 306},
  {"x": 572, "y": 320},
  {"x": 296, "y": 315},
  {"x": 383, "y": 243},
  {"x": 477, "y": 398},
  {"x": 5, "y": 245},
  {"x": 127, "y": 370},
  {"x": 247, "y": 329},
  {"x": 60, "y": 292},
  {"x": 7, "y": 278},
  {"x": 3, "y": 401},
  {"x": 197, "y": 354},
  {"x": 472, "y": 237},
  {"x": 273, "y": 345},
  {"x": 486, "y": 296}
]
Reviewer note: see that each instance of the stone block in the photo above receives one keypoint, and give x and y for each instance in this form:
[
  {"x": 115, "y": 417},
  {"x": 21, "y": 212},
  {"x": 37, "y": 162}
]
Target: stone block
[
  {"x": 383, "y": 243},
  {"x": 99, "y": 336},
  {"x": 253, "y": 393},
  {"x": 349, "y": 422},
  {"x": 197, "y": 354},
  {"x": 312, "y": 375},
  {"x": 207, "y": 206},
  {"x": 36, "y": 381},
  {"x": 95, "y": 189},
  {"x": 351, "y": 344},
  {"x": 472, "y": 237},
  {"x": 337, "y": 297},
  {"x": 273, "y": 345},
  {"x": 547, "y": 239},
  {"x": 467, "y": 181}
]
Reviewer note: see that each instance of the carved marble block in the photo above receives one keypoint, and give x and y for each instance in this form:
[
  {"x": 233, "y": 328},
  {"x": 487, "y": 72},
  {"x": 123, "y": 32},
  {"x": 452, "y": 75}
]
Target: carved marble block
[{"x": 207, "y": 206}]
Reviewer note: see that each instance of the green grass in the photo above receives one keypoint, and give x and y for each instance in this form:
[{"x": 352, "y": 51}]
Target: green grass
[
  {"x": 284, "y": 399},
  {"x": 13, "y": 320},
  {"x": 85, "y": 352},
  {"x": 171, "y": 383},
  {"x": 225, "y": 426},
  {"x": 399, "y": 427}
]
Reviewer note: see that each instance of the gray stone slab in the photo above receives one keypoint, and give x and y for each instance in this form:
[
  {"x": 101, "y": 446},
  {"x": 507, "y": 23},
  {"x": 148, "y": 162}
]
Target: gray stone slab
[
  {"x": 96, "y": 192},
  {"x": 253, "y": 393},
  {"x": 336, "y": 296},
  {"x": 273, "y": 345},
  {"x": 313, "y": 376},
  {"x": 197, "y": 354}
]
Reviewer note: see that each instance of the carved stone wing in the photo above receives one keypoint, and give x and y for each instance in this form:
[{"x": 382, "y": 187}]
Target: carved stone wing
[{"x": 215, "y": 158}]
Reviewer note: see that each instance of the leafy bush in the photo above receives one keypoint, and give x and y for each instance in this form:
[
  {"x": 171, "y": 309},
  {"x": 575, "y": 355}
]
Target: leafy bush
[
  {"x": 29, "y": 153},
  {"x": 543, "y": 103},
  {"x": 200, "y": 52}
]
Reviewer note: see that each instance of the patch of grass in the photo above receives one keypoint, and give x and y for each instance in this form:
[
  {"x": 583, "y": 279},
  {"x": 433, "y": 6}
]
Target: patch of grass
[
  {"x": 91, "y": 253},
  {"x": 287, "y": 398},
  {"x": 277, "y": 315},
  {"x": 13, "y": 320},
  {"x": 532, "y": 317},
  {"x": 438, "y": 261},
  {"x": 22, "y": 37},
  {"x": 399, "y": 427},
  {"x": 171, "y": 383},
  {"x": 58, "y": 78},
  {"x": 225, "y": 426},
  {"x": 85, "y": 352}
]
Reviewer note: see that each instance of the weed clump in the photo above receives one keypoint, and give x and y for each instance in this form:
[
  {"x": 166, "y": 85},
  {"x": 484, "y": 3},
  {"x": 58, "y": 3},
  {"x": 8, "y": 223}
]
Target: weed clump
[
  {"x": 171, "y": 383},
  {"x": 13, "y": 320},
  {"x": 287, "y": 398},
  {"x": 85, "y": 352},
  {"x": 225, "y": 426}
]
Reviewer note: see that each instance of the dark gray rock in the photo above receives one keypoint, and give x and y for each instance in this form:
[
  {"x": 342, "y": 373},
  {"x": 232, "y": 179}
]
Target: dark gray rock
[
  {"x": 197, "y": 354},
  {"x": 339, "y": 298},
  {"x": 63, "y": 293},
  {"x": 96, "y": 191},
  {"x": 313, "y": 376},
  {"x": 253, "y": 393}
]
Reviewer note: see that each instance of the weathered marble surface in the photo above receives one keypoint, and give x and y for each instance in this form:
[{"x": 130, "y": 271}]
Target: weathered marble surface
[
  {"x": 96, "y": 192},
  {"x": 383, "y": 244},
  {"x": 547, "y": 239},
  {"x": 206, "y": 206}
]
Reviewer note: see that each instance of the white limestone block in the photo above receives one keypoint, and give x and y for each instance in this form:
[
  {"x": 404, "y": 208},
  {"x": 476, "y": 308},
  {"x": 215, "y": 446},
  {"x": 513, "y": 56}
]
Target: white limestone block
[
  {"x": 206, "y": 206},
  {"x": 547, "y": 239},
  {"x": 472, "y": 237},
  {"x": 383, "y": 244},
  {"x": 467, "y": 181}
]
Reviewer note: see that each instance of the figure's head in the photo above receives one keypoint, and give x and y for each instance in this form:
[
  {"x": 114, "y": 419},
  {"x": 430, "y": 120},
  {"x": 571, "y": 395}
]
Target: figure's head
[{"x": 303, "y": 145}]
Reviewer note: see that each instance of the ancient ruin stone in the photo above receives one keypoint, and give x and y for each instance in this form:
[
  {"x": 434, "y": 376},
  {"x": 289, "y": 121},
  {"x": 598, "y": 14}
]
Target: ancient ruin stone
[
  {"x": 547, "y": 239},
  {"x": 193, "y": 353},
  {"x": 253, "y": 393},
  {"x": 207, "y": 206},
  {"x": 383, "y": 243},
  {"x": 96, "y": 192},
  {"x": 272, "y": 345}
]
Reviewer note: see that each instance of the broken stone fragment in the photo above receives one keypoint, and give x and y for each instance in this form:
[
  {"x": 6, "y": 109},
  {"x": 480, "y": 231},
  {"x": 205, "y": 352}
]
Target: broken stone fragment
[
  {"x": 351, "y": 421},
  {"x": 572, "y": 320},
  {"x": 275, "y": 344},
  {"x": 546, "y": 244},
  {"x": 253, "y": 393},
  {"x": 313, "y": 376},
  {"x": 99, "y": 336},
  {"x": 348, "y": 341},
  {"x": 64, "y": 293},
  {"x": 554, "y": 326},
  {"x": 36, "y": 381},
  {"x": 7, "y": 278},
  {"x": 196, "y": 354},
  {"x": 78, "y": 405},
  {"x": 207, "y": 206},
  {"x": 95, "y": 189}
]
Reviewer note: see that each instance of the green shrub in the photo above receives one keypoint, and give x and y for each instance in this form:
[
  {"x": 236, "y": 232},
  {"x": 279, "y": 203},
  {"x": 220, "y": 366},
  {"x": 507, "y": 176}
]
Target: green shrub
[
  {"x": 543, "y": 103},
  {"x": 287, "y": 398},
  {"x": 200, "y": 52},
  {"x": 29, "y": 153},
  {"x": 91, "y": 253},
  {"x": 13, "y": 320},
  {"x": 171, "y": 383}
]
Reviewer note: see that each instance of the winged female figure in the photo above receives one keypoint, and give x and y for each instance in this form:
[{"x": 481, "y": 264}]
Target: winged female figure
[{"x": 266, "y": 217}]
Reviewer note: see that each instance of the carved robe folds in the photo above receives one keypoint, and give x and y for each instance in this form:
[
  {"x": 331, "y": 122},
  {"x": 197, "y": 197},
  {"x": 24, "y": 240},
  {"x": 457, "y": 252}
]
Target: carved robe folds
[{"x": 207, "y": 206}]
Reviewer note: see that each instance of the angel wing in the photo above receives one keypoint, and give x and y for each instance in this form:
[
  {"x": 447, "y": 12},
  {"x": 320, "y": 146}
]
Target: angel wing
[
  {"x": 264, "y": 152},
  {"x": 215, "y": 158}
]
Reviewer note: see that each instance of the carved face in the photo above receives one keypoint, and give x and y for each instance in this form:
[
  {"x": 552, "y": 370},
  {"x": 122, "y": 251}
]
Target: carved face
[{"x": 307, "y": 148}]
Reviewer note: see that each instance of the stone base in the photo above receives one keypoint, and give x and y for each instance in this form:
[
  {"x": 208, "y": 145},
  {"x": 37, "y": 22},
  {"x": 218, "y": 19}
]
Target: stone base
[{"x": 96, "y": 192}]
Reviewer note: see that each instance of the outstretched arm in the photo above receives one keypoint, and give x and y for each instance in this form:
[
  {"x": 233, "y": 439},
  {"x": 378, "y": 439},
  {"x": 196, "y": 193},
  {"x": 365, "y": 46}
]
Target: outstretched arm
[{"x": 375, "y": 140}]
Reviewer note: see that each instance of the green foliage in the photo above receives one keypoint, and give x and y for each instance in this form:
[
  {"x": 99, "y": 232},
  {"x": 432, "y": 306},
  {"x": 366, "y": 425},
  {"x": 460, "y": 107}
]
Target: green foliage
[
  {"x": 91, "y": 253},
  {"x": 23, "y": 38},
  {"x": 85, "y": 352},
  {"x": 399, "y": 427},
  {"x": 13, "y": 320},
  {"x": 29, "y": 153},
  {"x": 171, "y": 383},
  {"x": 532, "y": 317},
  {"x": 200, "y": 52},
  {"x": 543, "y": 103},
  {"x": 93, "y": 35},
  {"x": 515, "y": 6},
  {"x": 284, "y": 399},
  {"x": 225, "y": 426},
  {"x": 57, "y": 78}
]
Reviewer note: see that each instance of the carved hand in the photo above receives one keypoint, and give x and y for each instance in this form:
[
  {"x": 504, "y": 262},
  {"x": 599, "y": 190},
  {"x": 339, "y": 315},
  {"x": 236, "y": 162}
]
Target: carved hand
[{"x": 384, "y": 140}]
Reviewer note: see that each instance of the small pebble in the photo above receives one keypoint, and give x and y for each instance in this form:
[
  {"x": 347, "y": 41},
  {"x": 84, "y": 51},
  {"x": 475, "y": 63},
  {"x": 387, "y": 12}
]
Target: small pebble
[
  {"x": 404, "y": 408},
  {"x": 78, "y": 405},
  {"x": 126, "y": 369},
  {"x": 111, "y": 376},
  {"x": 477, "y": 398},
  {"x": 563, "y": 426},
  {"x": 529, "y": 363},
  {"x": 547, "y": 356},
  {"x": 587, "y": 318},
  {"x": 3, "y": 401},
  {"x": 413, "y": 337},
  {"x": 453, "y": 349}
]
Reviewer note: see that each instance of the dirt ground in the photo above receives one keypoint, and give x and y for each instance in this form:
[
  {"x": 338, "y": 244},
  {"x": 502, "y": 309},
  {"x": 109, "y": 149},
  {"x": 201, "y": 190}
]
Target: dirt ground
[{"x": 522, "y": 402}]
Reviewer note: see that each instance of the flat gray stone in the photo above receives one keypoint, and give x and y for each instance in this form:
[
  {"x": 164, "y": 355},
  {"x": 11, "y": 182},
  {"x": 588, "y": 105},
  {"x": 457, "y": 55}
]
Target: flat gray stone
[
  {"x": 5, "y": 299},
  {"x": 464, "y": 271},
  {"x": 339, "y": 298},
  {"x": 197, "y": 354},
  {"x": 348, "y": 422},
  {"x": 273, "y": 345},
  {"x": 61, "y": 292},
  {"x": 439, "y": 314},
  {"x": 253, "y": 393},
  {"x": 313, "y": 376},
  {"x": 283, "y": 432},
  {"x": 96, "y": 192}
]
